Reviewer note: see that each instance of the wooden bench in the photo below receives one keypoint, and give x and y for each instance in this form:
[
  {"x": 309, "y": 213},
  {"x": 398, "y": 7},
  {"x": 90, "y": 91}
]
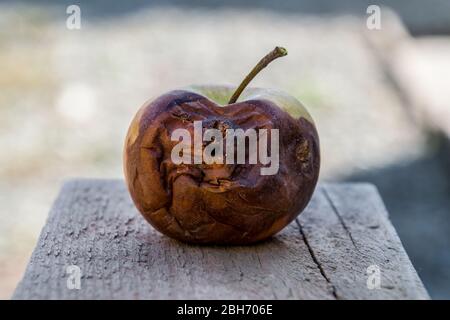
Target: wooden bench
[{"x": 332, "y": 251}]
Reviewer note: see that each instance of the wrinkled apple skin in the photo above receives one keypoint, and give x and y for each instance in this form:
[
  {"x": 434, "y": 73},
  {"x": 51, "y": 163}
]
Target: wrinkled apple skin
[{"x": 220, "y": 203}]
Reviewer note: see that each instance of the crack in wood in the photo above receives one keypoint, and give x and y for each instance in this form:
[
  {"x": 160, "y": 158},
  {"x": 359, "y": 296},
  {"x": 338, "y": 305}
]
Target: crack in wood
[
  {"x": 340, "y": 218},
  {"x": 316, "y": 261}
]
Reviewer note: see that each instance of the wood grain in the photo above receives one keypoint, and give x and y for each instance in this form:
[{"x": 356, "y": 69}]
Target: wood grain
[
  {"x": 348, "y": 230},
  {"x": 323, "y": 255}
]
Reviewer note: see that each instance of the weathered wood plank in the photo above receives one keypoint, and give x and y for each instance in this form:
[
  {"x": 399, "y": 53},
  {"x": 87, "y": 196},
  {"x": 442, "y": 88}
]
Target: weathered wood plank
[
  {"x": 348, "y": 230},
  {"x": 94, "y": 225}
]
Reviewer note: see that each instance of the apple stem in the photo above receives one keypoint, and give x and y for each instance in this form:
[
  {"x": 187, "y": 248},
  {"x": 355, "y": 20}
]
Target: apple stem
[{"x": 272, "y": 55}]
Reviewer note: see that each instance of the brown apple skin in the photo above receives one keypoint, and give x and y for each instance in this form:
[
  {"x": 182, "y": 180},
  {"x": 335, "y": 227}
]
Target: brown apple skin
[{"x": 218, "y": 204}]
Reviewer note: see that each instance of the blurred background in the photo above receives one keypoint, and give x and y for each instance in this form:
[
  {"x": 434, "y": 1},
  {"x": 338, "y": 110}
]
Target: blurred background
[{"x": 380, "y": 98}]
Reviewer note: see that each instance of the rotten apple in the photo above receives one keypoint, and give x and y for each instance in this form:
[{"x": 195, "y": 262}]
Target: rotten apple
[{"x": 195, "y": 179}]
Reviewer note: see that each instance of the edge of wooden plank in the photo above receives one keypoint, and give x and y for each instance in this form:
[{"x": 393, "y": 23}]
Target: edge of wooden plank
[{"x": 349, "y": 232}]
